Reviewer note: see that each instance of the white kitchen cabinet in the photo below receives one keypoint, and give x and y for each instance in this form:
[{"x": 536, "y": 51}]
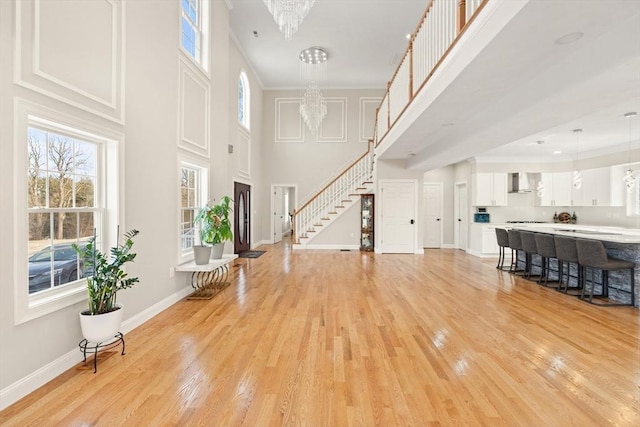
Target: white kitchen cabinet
[
  {"x": 600, "y": 187},
  {"x": 482, "y": 240},
  {"x": 490, "y": 189},
  {"x": 557, "y": 189}
]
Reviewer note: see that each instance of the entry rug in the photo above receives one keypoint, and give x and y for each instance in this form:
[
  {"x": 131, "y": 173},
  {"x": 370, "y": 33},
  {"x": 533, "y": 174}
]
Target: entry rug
[{"x": 250, "y": 254}]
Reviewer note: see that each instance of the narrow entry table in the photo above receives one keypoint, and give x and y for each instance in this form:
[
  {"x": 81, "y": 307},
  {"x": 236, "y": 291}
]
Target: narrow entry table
[{"x": 210, "y": 279}]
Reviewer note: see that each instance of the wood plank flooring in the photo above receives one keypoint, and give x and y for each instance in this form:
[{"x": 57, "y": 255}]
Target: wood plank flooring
[{"x": 330, "y": 338}]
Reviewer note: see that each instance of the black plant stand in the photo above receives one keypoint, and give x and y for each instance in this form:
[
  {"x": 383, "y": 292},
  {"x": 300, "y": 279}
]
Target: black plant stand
[{"x": 86, "y": 346}]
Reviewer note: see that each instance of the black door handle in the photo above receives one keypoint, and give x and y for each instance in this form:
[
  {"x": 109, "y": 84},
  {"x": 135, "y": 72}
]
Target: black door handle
[
  {"x": 459, "y": 220},
  {"x": 412, "y": 221},
  {"x": 438, "y": 219}
]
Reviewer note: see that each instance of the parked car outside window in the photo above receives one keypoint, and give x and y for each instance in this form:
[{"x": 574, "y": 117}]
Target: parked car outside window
[{"x": 45, "y": 272}]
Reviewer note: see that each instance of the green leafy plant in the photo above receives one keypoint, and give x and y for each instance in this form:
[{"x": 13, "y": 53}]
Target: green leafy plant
[
  {"x": 214, "y": 222},
  {"x": 106, "y": 274}
]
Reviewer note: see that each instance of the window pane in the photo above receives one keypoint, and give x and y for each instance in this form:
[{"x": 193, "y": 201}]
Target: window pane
[
  {"x": 85, "y": 159},
  {"x": 86, "y": 226},
  {"x": 39, "y": 250},
  {"x": 60, "y": 153},
  {"x": 85, "y": 192},
  {"x": 37, "y": 189},
  {"x": 37, "y": 142}
]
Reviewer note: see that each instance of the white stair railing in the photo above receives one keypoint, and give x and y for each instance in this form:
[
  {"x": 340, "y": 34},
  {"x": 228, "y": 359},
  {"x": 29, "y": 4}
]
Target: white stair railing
[{"x": 324, "y": 205}]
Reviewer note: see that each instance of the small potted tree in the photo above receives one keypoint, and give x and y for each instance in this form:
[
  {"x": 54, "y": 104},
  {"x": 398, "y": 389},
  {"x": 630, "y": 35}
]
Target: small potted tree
[
  {"x": 215, "y": 226},
  {"x": 106, "y": 276}
]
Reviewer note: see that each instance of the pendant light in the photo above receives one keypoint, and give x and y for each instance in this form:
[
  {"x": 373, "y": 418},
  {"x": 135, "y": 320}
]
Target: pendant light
[
  {"x": 629, "y": 178},
  {"x": 540, "y": 186},
  {"x": 577, "y": 175}
]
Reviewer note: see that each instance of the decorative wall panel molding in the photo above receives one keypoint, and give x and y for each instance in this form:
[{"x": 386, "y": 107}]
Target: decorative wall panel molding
[
  {"x": 367, "y": 117},
  {"x": 73, "y": 51},
  {"x": 288, "y": 121},
  {"x": 194, "y": 95},
  {"x": 244, "y": 152},
  {"x": 334, "y": 125}
]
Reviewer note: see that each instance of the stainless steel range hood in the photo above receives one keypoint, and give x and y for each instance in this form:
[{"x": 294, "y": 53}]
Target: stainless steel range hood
[{"x": 521, "y": 182}]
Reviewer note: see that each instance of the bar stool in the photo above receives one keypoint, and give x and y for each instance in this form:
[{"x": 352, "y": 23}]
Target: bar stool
[
  {"x": 530, "y": 249},
  {"x": 547, "y": 250},
  {"x": 593, "y": 255},
  {"x": 502, "y": 236},
  {"x": 567, "y": 252},
  {"x": 515, "y": 243}
]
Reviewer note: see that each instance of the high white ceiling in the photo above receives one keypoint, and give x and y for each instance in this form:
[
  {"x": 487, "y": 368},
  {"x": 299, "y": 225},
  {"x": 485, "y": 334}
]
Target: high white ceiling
[{"x": 521, "y": 88}]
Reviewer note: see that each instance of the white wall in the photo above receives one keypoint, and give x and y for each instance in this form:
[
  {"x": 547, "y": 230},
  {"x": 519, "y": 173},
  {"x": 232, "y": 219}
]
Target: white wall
[{"x": 147, "y": 113}]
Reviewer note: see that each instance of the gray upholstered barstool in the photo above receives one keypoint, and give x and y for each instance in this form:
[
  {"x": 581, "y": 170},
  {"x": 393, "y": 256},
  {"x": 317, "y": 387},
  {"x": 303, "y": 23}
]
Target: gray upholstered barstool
[
  {"x": 530, "y": 249},
  {"x": 547, "y": 250},
  {"x": 502, "y": 236},
  {"x": 567, "y": 252},
  {"x": 515, "y": 243},
  {"x": 593, "y": 256}
]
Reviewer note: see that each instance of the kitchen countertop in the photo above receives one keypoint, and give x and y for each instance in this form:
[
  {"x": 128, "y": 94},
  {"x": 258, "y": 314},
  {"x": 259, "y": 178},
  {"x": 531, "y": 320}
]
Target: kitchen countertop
[{"x": 594, "y": 232}]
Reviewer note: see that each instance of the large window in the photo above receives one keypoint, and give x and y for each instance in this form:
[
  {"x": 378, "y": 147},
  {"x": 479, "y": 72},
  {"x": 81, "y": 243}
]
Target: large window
[
  {"x": 193, "y": 194},
  {"x": 244, "y": 100},
  {"x": 68, "y": 177},
  {"x": 62, "y": 205},
  {"x": 194, "y": 30}
]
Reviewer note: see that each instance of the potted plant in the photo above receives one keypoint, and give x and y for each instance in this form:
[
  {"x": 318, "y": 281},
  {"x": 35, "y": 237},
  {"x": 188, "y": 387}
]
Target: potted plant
[
  {"x": 215, "y": 226},
  {"x": 106, "y": 277}
]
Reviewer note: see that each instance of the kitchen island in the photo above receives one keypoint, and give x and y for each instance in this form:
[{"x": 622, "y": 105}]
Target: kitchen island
[{"x": 621, "y": 243}]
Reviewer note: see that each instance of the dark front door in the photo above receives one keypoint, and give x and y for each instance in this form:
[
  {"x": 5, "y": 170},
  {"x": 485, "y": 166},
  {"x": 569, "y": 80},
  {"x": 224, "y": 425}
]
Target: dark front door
[{"x": 242, "y": 217}]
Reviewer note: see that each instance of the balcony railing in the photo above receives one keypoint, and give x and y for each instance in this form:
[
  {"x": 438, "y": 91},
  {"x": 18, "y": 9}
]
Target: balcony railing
[{"x": 440, "y": 27}]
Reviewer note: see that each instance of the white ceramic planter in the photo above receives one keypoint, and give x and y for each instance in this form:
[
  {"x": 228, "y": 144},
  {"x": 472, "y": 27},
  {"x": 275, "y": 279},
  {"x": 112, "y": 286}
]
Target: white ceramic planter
[
  {"x": 201, "y": 254},
  {"x": 218, "y": 250},
  {"x": 101, "y": 327}
]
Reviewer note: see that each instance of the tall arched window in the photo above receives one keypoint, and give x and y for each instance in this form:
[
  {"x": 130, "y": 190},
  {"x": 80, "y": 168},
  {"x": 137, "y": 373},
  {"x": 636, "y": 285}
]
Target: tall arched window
[{"x": 244, "y": 101}]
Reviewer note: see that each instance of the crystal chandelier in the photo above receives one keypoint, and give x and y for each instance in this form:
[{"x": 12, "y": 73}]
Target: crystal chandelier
[
  {"x": 313, "y": 107},
  {"x": 289, "y": 14},
  {"x": 629, "y": 178},
  {"x": 313, "y": 69},
  {"x": 577, "y": 175}
]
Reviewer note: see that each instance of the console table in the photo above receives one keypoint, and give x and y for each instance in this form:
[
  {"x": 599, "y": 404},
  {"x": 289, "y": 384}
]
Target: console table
[{"x": 210, "y": 279}]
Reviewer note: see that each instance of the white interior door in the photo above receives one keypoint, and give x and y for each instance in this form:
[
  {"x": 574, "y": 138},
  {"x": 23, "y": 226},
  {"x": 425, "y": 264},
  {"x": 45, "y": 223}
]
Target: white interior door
[
  {"x": 398, "y": 216},
  {"x": 278, "y": 214},
  {"x": 461, "y": 216},
  {"x": 433, "y": 215}
]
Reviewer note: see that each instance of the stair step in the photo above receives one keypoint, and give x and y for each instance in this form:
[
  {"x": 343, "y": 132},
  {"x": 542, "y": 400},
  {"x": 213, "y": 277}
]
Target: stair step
[
  {"x": 339, "y": 207},
  {"x": 332, "y": 213},
  {"x": 318, "y": 225},
  {"x": 346, "y": 201},
  {"x": 325, "y": 219}
]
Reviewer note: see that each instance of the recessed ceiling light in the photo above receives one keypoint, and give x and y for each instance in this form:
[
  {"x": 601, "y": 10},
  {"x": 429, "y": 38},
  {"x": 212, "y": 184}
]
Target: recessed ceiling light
[
  {"x": 408, "y": 36},
  {"x": 557, "y": 152},
  {"x": 569, "y": 38},
  {"x": 539, "y": 142}
]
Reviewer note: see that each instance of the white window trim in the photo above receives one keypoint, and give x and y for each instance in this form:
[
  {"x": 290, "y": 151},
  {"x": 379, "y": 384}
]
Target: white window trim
[
  {"x": 203, "y": 165},
  {"x": 29, "y": 307},
  {"x": 201, "y": 63}
]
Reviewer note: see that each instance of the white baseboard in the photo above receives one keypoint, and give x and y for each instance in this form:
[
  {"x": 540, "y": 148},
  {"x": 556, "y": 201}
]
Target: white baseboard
[
  {"x": 329, "y": 247},
  {"x": 46, "y": 373},
  {"x": 261, "y": 242},
  {"x": 448, "y": 246}
]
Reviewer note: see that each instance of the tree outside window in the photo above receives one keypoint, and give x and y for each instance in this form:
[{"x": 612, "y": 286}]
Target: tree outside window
[{"x": 62, "y": 209}]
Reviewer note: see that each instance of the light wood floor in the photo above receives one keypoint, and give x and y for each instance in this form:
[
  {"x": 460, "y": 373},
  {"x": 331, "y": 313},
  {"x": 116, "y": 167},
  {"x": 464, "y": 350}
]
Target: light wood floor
[{"x": 329, "y": 338}]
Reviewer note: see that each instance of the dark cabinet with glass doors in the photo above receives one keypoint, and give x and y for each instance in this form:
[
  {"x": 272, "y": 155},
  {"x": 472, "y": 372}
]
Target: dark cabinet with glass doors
[{"x": 366, "y": 222}]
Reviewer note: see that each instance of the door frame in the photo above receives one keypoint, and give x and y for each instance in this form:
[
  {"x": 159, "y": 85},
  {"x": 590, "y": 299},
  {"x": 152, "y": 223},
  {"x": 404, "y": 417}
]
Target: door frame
[
  {"x": 440, "y": 185},
  {"x": 272, "y": 205},
  {"x": 249, "y": 213},
  {"x": 456, "y": 215}
]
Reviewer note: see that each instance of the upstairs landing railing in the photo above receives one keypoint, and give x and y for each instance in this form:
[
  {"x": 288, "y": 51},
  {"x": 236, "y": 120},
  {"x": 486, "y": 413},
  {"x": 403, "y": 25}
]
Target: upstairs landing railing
[{"x": 439, "y": 29}]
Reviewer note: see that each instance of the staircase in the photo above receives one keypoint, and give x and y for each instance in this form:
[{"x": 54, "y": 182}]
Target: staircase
[{"x": 335, "y": 198}]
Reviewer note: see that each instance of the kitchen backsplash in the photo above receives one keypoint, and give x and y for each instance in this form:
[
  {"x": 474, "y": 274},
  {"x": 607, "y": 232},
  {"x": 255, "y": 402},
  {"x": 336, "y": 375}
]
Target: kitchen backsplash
[{"x": 522, "y": 208}]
